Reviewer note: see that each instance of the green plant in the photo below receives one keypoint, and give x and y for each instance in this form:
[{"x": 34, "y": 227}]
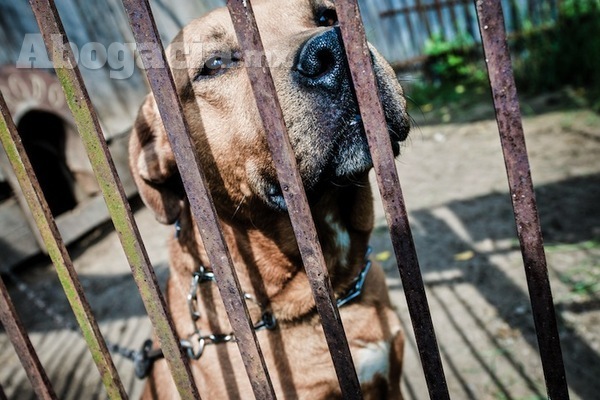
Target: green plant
[
  {"x": 437, "y": 45},
  {"x": 582, "y": 280},
  {"x": 562, "y": 54},
  {"x": 449, "y": 61},
  {"x": 453, "y": 78},
  {"x": 576, "y": 8}
]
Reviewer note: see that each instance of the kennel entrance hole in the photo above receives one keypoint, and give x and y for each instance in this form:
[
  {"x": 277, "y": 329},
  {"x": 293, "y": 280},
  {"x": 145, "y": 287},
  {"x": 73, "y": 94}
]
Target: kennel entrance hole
[
  {"x": 5, "y": 191},
  {"x": 44, "y": 137}
]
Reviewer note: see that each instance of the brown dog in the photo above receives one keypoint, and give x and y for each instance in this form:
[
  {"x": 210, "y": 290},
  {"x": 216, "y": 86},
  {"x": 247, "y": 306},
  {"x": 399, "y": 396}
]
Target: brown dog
[{"x": 321, "y": 114}]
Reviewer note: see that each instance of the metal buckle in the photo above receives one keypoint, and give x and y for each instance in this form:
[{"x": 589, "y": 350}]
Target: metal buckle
[{"x": 194, "y": 351}]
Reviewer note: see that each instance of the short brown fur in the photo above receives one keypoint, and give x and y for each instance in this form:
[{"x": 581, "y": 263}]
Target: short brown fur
[{"x": 233, "y": 152}]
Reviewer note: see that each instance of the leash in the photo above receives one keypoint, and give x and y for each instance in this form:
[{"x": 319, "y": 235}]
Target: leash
[
  {"x": 196, "y": 342},
  {"x": 194, "y": 345}
]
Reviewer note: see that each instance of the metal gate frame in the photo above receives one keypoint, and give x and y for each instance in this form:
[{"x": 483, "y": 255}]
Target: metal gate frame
[{"x": 493, "y": 33}]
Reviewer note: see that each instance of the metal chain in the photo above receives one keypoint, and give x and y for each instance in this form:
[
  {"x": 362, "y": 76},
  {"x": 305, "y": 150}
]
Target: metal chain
[
  {"x": 146, "y": 355},
  {"x": 194, "y": 345}
]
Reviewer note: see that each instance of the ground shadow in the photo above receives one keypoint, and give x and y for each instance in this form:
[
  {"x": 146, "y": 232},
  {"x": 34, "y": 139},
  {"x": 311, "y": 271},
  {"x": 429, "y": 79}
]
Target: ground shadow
[{"x": 569, "y": 214}]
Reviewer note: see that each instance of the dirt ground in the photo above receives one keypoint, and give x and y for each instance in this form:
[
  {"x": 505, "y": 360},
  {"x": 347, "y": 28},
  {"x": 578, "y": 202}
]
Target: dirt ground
[{"x": 455, "y": 188}]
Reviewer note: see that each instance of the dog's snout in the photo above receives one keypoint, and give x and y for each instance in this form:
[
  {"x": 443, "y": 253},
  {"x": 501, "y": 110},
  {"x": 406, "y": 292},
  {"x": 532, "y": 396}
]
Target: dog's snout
[{"x": 320, "y": 62}]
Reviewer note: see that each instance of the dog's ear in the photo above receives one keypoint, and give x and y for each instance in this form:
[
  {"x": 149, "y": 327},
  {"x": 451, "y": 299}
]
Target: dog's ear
[{"x": 153, "y": 165}]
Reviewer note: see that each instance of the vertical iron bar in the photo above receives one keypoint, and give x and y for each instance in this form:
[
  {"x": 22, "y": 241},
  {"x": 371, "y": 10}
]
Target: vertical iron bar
[
  {"x": 361, "y": 68},
  {"x": 17, "y": 335},
  {"x": 9, "y": 137},
  {"x": 203, "y": 210},
  {"x": 293, "y": 190},
  {"x": 93, "y": 139},
  {"x": 508, "y": 116}
]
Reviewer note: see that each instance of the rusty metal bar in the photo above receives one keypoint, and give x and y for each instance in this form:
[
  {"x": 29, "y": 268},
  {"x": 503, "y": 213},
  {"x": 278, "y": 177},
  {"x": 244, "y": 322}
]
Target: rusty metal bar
[
  {"x": 508, "y": 116},
  {"x": 9, "y": 137},
  {"x": 203, "y": 210},
  {"x": 17, "y": 335},
  {"x": 295, "y": 198},
  {"x": 361, "y": 68},
  {"x": 93, "y": 139}
]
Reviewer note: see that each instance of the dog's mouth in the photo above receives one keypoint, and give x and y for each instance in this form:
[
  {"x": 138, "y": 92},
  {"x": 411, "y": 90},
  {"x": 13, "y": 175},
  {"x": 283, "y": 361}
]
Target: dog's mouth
[
  {"x": 347, "y": 160},
  {"x": 328, "y": 135},
  {"x": 352, "y": 154}
]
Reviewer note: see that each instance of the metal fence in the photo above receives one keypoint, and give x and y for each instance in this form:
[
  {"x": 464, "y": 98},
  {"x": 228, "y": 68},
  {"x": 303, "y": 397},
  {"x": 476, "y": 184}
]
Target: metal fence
[
  {"x": 451, "y": 21},
  {"x": 509, "y": 122}
]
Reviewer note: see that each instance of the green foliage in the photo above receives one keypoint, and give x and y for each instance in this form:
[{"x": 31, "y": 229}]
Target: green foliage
[
  {"x": 564, "y": 54},
  {"x": 546, "y": 58},
  {"x": 582, "y": 280},
  {"x": 437, "y": 45},
  {"x": 576, "y": 8},
  {"x": 449, "y": 61},
  {"x": 454, "y": 77}
]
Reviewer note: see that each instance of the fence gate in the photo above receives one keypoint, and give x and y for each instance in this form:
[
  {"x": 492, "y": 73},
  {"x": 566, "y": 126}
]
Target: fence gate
[{"x": 508, "y": 116}]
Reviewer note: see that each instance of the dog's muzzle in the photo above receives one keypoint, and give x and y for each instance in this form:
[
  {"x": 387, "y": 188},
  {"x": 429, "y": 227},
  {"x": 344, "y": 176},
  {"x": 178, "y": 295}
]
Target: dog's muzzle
[{"x": 321, "y": 62}]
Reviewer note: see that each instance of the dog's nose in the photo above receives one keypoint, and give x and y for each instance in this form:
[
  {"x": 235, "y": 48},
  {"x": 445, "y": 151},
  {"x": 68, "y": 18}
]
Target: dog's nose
[{"x": 321, "y": 61}]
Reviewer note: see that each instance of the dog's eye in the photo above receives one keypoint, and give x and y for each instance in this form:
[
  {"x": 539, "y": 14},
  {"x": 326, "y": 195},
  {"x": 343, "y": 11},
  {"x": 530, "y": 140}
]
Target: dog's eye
[
  {"x": 327, "y": 17},
  {"x": 217, "y": 65}
]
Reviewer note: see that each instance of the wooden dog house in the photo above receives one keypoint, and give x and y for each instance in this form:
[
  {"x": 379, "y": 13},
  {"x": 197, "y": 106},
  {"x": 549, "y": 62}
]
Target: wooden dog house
[
  {"x": 37, "y": 103},
  {"x": 59, "y": 160}
]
